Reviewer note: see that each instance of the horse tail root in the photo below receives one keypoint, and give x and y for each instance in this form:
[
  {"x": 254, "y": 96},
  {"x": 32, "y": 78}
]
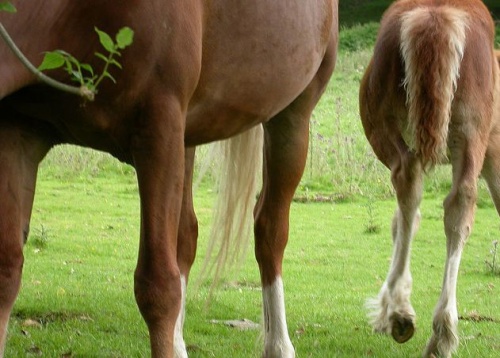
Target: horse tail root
[{"x": 432, "y": 45}]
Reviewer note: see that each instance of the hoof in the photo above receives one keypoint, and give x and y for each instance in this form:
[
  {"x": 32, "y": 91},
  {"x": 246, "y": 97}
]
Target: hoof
[{"x": 402, "y": 329}]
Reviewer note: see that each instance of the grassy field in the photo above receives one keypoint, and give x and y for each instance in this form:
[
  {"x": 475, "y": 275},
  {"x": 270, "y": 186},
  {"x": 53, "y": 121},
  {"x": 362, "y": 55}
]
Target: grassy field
[{"x": 77, "y": 297}]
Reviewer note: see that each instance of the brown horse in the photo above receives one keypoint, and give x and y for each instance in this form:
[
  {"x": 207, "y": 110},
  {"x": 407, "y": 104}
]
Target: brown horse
[
  {"x": 432, "y": 86},
  {"x": 197, "y": 71}
]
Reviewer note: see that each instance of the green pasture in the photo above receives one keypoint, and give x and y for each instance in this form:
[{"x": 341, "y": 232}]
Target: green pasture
[
  {"x": 77, "y": 293},
  {"x": 77, "y": 296}
]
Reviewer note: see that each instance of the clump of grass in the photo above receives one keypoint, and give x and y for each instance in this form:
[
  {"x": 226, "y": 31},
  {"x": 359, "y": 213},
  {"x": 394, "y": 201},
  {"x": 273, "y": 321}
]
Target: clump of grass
[
  {"x": 371, "y": 226},
  {"x": 493, "y": 263},
  {"x": 40, "y": 238}
]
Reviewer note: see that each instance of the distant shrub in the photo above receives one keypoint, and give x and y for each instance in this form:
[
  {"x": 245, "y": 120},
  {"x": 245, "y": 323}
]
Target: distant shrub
[{"x": 358, "y": 37}]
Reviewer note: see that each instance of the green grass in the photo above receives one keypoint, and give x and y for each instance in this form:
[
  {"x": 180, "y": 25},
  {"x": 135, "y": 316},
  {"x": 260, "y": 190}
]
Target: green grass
[{"x": 78, "y": 287}]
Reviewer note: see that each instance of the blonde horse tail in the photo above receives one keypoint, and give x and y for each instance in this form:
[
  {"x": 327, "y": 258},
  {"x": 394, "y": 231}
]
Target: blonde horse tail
[
  {"x": 432, "y": 47},
  {"x": 239, "y": 175}
]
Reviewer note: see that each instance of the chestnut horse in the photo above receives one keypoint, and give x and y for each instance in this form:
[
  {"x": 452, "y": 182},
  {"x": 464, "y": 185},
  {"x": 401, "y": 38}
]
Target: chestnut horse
[
  {"x": 432, "y": 86},
  {"x": 197, "y": 72}
]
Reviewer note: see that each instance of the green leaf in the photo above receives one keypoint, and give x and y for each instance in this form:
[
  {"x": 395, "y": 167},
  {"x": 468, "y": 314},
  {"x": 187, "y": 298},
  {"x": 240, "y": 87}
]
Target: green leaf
[
  {"x": 106, "y": 41},
  {"x": 64, "y": 53},
  {"x": 101, "y": 56},
  {"x": 87, "y": 68},
  {"x": 69, "y": 66},
  {"x": 124, "y": 37},
  {"x": 51, "y": 61},
  {"x": 73, "y": 60},
  {"x": 116, "y": 63},
  {"x": 7, "y": 6},
  {"x": 78, "y": 76},
  {"x": 107, "y": 74}
]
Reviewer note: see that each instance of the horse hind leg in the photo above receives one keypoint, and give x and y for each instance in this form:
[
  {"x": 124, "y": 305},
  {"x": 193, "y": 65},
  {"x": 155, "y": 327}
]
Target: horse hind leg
[
  {"x": 284, "y": 160},
  {"x": 467, "y": 160},
  {"x": 21, "y": 150},
  {"x": 285, "y": 153},
  {"x": 391, "y": 312}
]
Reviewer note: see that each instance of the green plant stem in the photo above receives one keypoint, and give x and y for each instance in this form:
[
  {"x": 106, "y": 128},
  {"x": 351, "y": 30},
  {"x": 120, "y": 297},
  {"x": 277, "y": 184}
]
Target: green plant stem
[
  {"x": 104, "y": 71},
  {"x": 80, "y": 91}
]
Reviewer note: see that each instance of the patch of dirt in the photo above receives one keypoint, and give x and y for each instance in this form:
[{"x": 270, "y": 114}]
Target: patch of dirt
[
  {"x": 42, "y": 319},
  {"x": 474, "y": 316}
]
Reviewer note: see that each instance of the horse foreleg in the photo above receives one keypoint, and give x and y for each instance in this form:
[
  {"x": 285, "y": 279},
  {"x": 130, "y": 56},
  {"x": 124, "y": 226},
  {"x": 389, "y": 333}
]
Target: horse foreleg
[
  {"x": 158, "y": 154},
  {"x": 186, "y": 248},
  {"x": 11, "y": 238},
  {"x": 391, "y": 312},
  {"x": 459, "y": 207},
  {"x": 20, "y": 153}
]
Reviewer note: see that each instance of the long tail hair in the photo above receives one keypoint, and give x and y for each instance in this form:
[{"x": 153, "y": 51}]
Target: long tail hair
[
  {"x": 432, "y": 47},
  {"x": 238, "y": 179}
]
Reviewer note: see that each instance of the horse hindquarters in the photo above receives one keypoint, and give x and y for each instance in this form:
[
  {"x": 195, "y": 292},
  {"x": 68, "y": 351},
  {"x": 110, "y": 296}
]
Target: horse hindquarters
[{"x": 20, "y": 152}]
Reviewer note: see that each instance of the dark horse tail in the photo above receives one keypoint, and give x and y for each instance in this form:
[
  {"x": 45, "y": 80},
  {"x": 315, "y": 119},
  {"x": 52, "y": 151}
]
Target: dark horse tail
[{"x": 432, "y": 46}]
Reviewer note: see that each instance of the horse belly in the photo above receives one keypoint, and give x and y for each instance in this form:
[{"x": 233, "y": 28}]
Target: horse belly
[{"x": 257, "y": 58}]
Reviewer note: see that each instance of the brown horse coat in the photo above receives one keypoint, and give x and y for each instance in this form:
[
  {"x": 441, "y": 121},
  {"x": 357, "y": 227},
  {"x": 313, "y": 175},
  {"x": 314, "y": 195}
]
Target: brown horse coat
[{"x": 197, "y": 71}]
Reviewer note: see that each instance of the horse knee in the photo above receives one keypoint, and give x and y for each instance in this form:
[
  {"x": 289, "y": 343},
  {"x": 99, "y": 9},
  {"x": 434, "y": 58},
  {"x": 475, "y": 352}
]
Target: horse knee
[
  {"x": 465, "y": 194},
  {"x": 158, "y": 296},
  {"x": 11, "y": 265},
  {"x": 459, "y": 209}
]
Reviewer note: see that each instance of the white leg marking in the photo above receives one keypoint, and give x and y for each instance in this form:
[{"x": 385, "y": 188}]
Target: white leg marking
[
  {"x": 2, "y": 344},
  {"x": 4, "y": 322},
  {"x": 393, "y": 301},
  {"x": 445, "y": 339},
  {"x": 277, "y": 343},
  {"x": 179, "y": 345}
]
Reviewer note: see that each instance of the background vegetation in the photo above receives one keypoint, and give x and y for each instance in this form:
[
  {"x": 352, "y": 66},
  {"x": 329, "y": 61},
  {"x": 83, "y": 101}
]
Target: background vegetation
[{"x": 77, "y": 297}]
